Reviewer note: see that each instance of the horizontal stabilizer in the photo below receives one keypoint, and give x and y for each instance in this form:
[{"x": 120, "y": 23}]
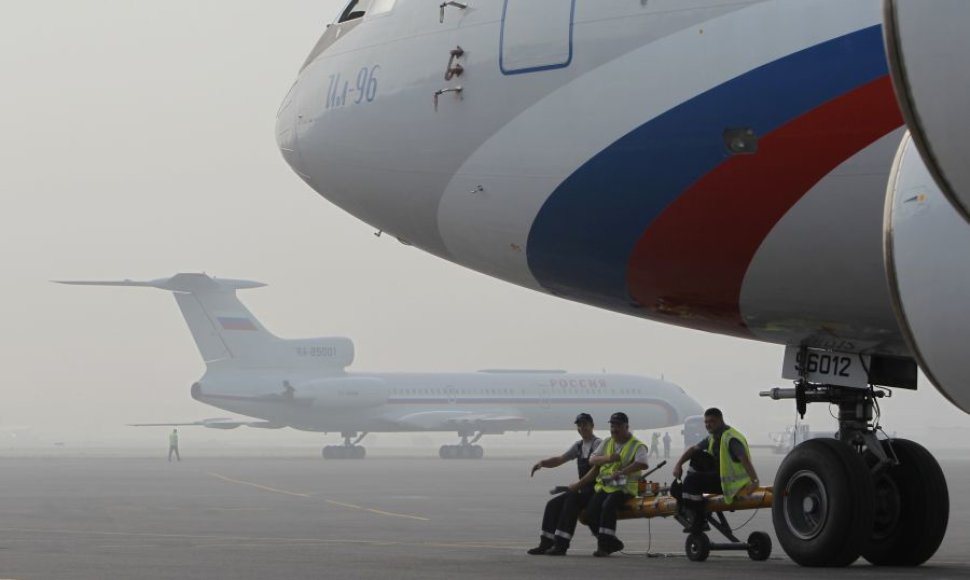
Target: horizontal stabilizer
[
  {"x": 226, "y": 332},
  {"x": 176, "y": 283}
]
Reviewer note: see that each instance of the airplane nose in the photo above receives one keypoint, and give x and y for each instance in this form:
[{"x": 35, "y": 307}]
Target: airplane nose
[{"x": 286, "y": 137}]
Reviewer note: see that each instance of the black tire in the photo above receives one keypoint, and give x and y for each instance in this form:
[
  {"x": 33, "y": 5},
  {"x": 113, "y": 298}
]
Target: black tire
[
  {"x": 326, "y": 452},
  {"x": 759, "y": 546},
  {"x": 360, "y": 452},
  {"x": 698, "y": 547},
  {"x": 823, "y": 508},
  {"x": 912, "y": 508},
  {"x": 478, "y": 452},
  {"x": 447, "y": 452}
]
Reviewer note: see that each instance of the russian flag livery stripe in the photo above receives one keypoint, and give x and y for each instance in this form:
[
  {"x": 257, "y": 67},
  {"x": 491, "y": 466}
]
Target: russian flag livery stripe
[
  {"x": 667, "y": 218},
  {"x": 236, "y": 323}
]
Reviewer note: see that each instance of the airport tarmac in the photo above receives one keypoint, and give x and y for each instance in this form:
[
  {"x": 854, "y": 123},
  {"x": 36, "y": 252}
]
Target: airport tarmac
[{"x": 384, "y": 517}]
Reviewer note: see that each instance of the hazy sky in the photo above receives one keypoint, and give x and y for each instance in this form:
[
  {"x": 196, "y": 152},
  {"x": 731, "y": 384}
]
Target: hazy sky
[{"x": 137, "y": 140}]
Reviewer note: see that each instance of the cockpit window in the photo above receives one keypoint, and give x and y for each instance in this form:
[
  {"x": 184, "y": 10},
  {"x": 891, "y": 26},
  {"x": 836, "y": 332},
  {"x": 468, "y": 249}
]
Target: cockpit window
[{"x": 351, "y": 12}]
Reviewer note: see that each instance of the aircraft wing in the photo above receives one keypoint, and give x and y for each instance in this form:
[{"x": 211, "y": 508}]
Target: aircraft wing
[
  {"x": 452, "y": 420},
  {"x": 214, "y": 423}
]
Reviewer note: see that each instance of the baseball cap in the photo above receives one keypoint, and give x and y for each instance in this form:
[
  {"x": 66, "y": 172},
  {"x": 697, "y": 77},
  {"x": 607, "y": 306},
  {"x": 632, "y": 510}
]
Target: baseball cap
[
  {"x": 619, "y": 418},
  {"x": 584, "y": 418}
]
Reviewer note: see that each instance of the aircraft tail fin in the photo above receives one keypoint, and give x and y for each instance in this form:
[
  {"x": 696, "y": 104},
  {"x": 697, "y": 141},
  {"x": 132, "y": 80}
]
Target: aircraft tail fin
[{"x": 225, "y": 331}]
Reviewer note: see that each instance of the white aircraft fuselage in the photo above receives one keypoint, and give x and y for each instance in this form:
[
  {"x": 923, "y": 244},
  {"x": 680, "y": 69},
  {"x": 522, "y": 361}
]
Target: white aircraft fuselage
[{"x": 486, "y": 401}]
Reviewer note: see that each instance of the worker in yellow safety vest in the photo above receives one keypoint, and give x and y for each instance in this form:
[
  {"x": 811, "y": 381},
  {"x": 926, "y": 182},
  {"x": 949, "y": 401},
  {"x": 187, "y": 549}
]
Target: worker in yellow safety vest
[
  {"x": 721, "y": 463},
  {"x": 617, "y": 463}
]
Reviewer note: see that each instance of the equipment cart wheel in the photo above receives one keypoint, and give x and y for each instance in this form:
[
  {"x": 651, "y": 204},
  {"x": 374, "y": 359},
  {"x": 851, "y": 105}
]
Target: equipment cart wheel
[
  {"x": 698, "y": 547},
  {"x": 759, "y": 546}
]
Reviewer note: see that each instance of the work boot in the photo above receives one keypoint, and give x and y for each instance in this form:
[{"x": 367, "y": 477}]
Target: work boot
[
  {"x": 607, "y": 545},
  {"x": 698, "y": 522},
  {"x": 560, "y": 549},
  {"x": 544, "y": 545}
]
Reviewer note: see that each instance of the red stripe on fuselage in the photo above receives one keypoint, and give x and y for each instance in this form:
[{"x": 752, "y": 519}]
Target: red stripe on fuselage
[{"x": 689, "y": 265}]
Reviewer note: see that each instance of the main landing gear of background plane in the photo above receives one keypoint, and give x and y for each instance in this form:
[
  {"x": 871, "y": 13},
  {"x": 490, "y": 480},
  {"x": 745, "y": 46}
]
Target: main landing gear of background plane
[
  {"x": 348, "y": 450},
  {"x": 464, "y": 450},
  {"x": 837, "y": 499}
]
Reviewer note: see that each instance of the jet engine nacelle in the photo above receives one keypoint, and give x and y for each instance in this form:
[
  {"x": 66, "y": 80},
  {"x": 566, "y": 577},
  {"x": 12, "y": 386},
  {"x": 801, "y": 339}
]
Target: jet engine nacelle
[
  {"x": 928, "y": 48},
  {"x": 927, "y": 249},
  {"x": 345, "y": 392}
]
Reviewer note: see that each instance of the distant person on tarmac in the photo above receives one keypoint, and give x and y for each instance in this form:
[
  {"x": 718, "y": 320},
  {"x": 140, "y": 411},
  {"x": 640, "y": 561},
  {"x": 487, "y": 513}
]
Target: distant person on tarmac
[
  {"x": 173, "y": 445},
  {"x": 654, "y": 445},
  {"x": 667, "y": 445}
]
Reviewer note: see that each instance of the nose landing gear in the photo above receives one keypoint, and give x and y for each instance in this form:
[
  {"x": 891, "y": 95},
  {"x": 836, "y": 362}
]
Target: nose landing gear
[{"x": 838, "y": 499}]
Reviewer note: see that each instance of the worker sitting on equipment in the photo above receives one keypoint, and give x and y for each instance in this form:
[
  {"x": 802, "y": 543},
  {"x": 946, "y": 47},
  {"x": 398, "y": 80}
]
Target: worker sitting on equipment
[
  {"x": 617, "y": 463},
  {"x": 562, "y": 511},
  {"x": 726, "y": 469}
]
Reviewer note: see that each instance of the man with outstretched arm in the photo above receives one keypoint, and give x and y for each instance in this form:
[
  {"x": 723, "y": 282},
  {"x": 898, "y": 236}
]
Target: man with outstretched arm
[
  {"x": 721, "y": 464},
  {"x": 617, "y": 465},
  {"x": 562, "y": 511}
]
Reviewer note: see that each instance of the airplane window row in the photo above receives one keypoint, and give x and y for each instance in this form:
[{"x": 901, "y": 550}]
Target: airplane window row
[
  {"x": 505, "y": 391},
  {"x": 455, "y": 393}
]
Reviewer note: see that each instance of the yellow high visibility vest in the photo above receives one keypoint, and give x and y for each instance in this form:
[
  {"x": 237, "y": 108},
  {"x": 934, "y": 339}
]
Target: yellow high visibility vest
[
  {"x": 627, "y": 454},
  {"x": 734, "y": 477}
]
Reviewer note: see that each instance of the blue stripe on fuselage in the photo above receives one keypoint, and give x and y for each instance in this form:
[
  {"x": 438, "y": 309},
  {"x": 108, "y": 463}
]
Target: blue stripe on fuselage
[{"x": 581, "y": 239}]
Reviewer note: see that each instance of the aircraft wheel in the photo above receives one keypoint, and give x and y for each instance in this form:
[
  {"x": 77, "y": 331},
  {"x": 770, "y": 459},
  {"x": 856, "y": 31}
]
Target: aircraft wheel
[
  {"x": 465, "y": 452},
  {"x": 759, "y": 546},
  {"x": 327, "y": 454},
  {"x": 698, "y": 547},
  {"x": 823, "y": 509},
  {"x": 477, "y": 452},
  {"x": 912, "y": 508},
  {"x": 447, "y": 452},
  {"x": 360, "y": 452}
]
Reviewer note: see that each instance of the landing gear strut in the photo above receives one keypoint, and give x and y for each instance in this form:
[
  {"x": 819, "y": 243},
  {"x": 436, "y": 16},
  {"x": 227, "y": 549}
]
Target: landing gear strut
[
  {"x": 348, "y": 450},
  {"x": 464, "y": 450},
  {"x": 838, "y": 499}
]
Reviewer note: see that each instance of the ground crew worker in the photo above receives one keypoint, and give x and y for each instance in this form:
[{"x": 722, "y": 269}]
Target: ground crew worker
[
  {"x": 173, "y": 445},
  {"x": 654, "y": 445},
  {"x": 667, "y": 445},
  {"x": 562, "y": 511},
  {"x": 617, "y": 464},
  {"x": 729, "y": 471}
]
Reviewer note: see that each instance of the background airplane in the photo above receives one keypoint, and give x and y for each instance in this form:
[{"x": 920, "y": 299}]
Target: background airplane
[
  {"x": 740, "y": 168},
  {"x": 303, "y": 384}
]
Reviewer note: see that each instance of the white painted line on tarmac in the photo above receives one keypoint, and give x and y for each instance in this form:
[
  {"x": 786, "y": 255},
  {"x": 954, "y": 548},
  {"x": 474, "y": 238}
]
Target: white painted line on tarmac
[{"x": 329, "y": 501}]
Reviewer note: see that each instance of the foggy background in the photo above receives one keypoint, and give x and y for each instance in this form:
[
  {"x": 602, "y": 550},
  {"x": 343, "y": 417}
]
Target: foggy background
[{"x": 137, "y": 141}]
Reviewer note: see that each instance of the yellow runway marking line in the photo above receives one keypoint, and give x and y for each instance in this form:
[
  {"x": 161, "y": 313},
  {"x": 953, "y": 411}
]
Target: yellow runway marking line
[
  {"x": 330, "y": 501},
  {"x": 258, "y": 486}
]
